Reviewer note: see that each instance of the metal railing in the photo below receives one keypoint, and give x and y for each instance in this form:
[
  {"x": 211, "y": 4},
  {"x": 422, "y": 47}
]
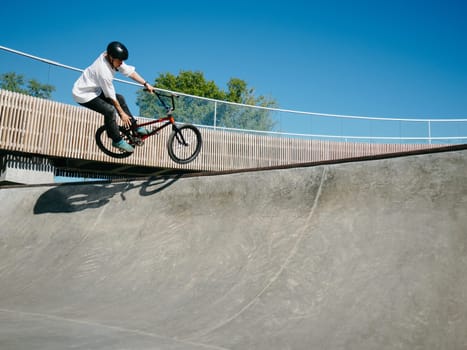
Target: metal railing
[{"x": 313, "y": 125}]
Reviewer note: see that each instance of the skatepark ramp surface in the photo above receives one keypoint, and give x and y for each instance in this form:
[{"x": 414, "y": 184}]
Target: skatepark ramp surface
[{"x": 362, "y": 255}]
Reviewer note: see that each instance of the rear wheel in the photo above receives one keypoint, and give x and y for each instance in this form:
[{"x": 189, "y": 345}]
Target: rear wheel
[
  {"x": 184, "y": 144},
  {"x": 105, "y": 143}
]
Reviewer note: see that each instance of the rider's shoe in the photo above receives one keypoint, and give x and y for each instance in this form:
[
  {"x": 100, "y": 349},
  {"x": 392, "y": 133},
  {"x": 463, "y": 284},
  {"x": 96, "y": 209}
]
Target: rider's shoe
[
  {"x": 123, "y": 146},
  {"x": 142, "y": 131}
]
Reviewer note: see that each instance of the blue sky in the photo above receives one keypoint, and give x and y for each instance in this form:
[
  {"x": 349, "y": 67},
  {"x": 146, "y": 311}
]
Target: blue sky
[{"x": 372, "y": 58}]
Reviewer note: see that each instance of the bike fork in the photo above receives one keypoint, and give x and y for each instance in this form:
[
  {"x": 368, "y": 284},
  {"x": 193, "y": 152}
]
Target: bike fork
[{"x": 179, "y": 135}]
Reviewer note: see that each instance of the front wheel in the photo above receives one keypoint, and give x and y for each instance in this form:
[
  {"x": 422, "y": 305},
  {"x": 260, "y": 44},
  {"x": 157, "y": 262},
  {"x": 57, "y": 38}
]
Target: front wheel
[
  {"x": 184, "y": 144},
  {"x": 105, "y": 143}
]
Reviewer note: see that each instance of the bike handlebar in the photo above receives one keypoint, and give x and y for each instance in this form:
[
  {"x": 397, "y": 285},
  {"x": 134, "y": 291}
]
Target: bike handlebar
[{"x": 172, "y": 96}]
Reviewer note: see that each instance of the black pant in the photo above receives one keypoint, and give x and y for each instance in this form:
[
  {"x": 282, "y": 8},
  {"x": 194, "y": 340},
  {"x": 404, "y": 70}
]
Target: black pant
[{"x": 104, "y": 105}]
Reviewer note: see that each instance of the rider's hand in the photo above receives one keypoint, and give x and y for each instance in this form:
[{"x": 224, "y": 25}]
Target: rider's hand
[
  {"x": 126, "y": 120},
  {"x": 149, "y": 88}
]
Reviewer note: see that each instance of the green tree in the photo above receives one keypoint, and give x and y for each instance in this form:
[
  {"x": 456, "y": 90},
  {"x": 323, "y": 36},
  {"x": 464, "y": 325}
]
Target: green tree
[
  {"x": 202, "y": 112},
  {"x": 12, "y": 82},
  {"x": 37, "y": 89},
  {"x": 232, "y": 116},
  {"x": 188, "y": 109},
  {"x": 16, "y": 83}
]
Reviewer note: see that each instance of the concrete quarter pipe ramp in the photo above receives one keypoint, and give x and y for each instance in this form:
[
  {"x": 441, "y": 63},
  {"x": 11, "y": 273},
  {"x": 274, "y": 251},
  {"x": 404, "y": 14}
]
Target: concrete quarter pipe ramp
[{"x": 365, "y": 255}]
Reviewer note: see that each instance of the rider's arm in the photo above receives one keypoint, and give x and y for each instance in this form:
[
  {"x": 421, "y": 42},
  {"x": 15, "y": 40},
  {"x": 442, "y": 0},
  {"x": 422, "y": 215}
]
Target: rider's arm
[
  {"x": 126, "y": 119},
  {"x": 136, "y": 77}
]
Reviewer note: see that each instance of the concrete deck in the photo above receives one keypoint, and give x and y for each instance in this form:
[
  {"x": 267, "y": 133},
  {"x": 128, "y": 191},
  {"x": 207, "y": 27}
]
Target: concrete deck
[{"x": 363, "y": 255}]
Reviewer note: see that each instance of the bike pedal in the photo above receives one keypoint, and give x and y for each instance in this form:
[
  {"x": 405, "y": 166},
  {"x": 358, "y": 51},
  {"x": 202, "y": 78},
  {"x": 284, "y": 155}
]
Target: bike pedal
[{"x": 138, "y": 142}]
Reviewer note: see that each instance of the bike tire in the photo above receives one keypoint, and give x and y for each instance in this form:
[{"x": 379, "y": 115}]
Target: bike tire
[
  {"x": 184, "y": 144},
  {"x": 105, "y": 143}
]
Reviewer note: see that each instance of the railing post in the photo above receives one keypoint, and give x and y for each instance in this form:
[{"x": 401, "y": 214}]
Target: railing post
[
  {"x": 215, "y": 114},
  {"x": 429, "y": 132}
]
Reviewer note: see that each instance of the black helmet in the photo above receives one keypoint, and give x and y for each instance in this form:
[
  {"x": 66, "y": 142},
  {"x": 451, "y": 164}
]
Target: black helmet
[{"x": 117, "y": 50}]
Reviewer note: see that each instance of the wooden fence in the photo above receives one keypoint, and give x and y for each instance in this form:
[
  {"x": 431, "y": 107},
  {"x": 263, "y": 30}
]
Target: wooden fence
[{"x": 52, "y": 129}]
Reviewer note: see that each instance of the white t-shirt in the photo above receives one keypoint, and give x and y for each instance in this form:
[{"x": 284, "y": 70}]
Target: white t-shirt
[{"x": 97, "y": 78}]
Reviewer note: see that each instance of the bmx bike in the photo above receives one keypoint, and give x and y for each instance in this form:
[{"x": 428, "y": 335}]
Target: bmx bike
[{"x": 183, "y": 145}]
